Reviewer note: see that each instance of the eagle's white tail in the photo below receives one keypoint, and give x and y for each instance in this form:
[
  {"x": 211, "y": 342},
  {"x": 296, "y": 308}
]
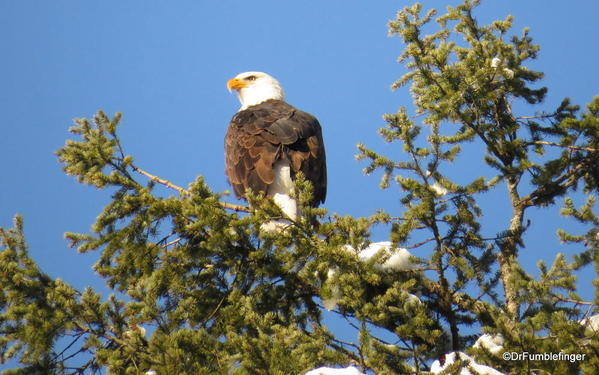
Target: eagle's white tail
[{"x": 281, "y": 190}]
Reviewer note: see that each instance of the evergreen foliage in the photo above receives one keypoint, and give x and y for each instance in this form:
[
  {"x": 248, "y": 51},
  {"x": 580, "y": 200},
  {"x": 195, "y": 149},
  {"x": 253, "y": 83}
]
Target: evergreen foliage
[{"x": 218, "y": 296}]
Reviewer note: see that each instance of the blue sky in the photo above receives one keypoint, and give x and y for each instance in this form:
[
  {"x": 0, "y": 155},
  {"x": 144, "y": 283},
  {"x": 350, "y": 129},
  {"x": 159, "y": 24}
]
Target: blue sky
[{"x": 165, "y": 66}]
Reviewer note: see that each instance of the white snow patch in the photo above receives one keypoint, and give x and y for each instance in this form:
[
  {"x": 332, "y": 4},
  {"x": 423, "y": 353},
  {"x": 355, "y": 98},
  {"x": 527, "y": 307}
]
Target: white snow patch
[
  {"x": 592, "y": 325},
  {"x": 439, "y": 190},
  {"x": 351, "y": 370},
  {"x": 331, "y": 302},
  {"x": 493, "y": 343},
  {"x": 452, "y": 357},
  {"x": 135, "y": 331},
  {"x": 399, "y": 258}
]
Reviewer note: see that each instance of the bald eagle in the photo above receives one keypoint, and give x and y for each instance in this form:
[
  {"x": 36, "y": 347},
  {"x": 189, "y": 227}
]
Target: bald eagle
[{"x": 269, "y": 141}]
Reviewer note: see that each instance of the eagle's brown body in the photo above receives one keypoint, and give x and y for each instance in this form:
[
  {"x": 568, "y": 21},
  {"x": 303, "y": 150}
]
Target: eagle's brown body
[{"x": 267, "y": 133}]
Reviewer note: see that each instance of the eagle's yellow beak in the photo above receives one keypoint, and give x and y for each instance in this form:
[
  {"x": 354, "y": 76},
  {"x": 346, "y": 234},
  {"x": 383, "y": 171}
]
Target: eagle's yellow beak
[{"x": 236, "y": 84}]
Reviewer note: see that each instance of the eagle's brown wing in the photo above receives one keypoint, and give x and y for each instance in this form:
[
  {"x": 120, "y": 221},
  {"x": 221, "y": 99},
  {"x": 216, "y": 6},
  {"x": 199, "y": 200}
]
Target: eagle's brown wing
[{"x": 261, "y": 135}]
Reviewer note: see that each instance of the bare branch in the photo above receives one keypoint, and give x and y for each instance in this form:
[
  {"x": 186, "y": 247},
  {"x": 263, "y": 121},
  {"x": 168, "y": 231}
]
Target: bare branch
[
  {"x": 577, "y": 302},
  {"x": 564, "y": 146},
  {"x": 162, "y": 181},
  {"x": 184, "y": 192},
  {"x": 173, "y": 242},
  {"x": 535, "y": 117}
]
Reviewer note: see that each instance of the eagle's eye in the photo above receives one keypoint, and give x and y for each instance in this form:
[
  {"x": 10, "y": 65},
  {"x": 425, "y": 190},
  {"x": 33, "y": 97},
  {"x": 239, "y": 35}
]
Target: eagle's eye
[{"x": 250, "y": 78}]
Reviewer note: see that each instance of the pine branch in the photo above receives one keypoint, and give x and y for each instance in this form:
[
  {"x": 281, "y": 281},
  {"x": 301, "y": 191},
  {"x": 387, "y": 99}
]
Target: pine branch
[
  {"x": 533, "y": 198},
  {"x": 104, "y": 335}
]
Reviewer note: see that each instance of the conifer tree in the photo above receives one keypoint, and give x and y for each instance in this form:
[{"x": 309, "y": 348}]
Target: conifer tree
[{"x": 199, "y": 289}]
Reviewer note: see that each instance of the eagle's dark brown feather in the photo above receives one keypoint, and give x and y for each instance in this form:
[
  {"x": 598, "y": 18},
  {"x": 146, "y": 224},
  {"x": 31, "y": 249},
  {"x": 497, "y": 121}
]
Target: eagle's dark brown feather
[{"x": 265, "y": 133}]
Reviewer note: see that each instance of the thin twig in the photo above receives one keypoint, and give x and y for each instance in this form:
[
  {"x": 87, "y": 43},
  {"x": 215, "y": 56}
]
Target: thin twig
[
  {"x": 420, "y": 243},
  {"x": 81, "y": 350},
  {"x": 569, "y": 147},
  {"x": 346, "y": 343},
  {"x": 90, "y": 331},
  {"x": 535, "y": 117},
  {"x": 79, "y": 335},
  {"x": 577, "y": 302},
  {"x": 173, "y": 242},
  {"x": 216, "y": 309},
  {"x": 184, "y": 192}
]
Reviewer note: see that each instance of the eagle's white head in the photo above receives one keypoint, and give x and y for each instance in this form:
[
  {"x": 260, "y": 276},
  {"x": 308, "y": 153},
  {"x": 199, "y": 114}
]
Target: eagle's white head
[{"x": 255, "y": 87}]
